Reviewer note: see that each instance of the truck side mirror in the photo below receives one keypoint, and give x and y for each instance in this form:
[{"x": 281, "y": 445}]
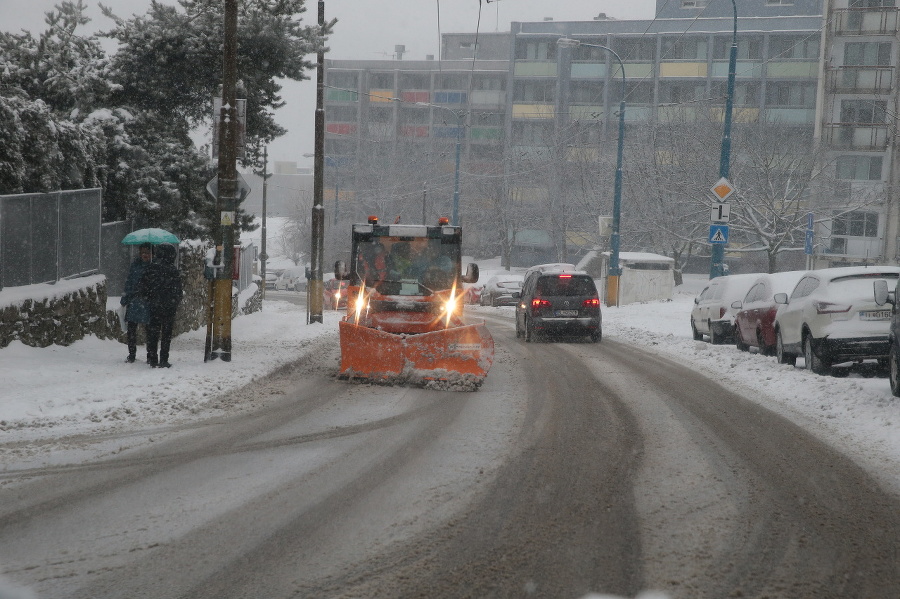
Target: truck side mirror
[
  {"x": 882, "y": 294},
  {"x": 471, "y": 275}
]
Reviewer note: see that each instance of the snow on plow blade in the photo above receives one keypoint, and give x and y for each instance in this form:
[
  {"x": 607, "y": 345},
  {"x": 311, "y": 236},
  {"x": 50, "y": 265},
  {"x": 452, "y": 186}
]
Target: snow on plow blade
[{"x": 457, "y": 357}]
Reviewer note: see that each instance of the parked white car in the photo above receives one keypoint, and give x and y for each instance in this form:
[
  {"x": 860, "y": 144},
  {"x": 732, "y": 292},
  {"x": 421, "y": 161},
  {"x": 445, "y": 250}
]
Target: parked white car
[
  {"x": 831, "y": 318},
  {"x": 291, "y": 279},
  {"x": 713, "y": 313}
]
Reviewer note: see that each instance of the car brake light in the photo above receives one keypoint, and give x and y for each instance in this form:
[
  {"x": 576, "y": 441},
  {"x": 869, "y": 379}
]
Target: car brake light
[
  {"x": 722, "y": 311},
  {"x": 538, "y": 303},
  {"x": 829, "y": 308},
  {"x": 565, "y": 276},
  {"x": 591, "y": 303}
]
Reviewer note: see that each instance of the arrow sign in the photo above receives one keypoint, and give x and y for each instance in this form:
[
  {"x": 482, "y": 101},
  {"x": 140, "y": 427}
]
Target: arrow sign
[
  {"x": 721, "y": 213},
  {"x": 718, "y": 233}
]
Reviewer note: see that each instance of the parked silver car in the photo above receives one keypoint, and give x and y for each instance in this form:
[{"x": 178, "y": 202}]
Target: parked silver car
[
  {"x": 831, "y": 318},
  {"x": 499, "y": 289}
]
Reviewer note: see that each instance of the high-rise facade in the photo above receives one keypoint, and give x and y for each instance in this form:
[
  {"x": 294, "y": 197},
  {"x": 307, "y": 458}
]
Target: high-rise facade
[{"x": 393, "y": 126}]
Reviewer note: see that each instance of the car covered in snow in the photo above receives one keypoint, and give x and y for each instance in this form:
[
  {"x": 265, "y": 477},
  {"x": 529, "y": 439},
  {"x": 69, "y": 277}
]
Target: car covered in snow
[
  {"x": 713, "y": 313},
  {"x": 754, "y": 324},
  {"x": 831, "y": 318},
  {"x": 499, "y": 290}
]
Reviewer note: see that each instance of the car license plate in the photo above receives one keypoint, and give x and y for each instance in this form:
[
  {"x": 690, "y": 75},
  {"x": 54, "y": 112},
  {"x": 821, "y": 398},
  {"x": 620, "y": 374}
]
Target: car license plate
[
  {"x": 875, "y": 315},
  {"x": 567, "y": 312}
]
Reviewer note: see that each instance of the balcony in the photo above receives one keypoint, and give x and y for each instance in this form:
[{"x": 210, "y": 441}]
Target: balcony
[
  {"x": 859, "y": 136},
  {"x": 860, "y": 80},
  {"x": 865, "y": 21}
]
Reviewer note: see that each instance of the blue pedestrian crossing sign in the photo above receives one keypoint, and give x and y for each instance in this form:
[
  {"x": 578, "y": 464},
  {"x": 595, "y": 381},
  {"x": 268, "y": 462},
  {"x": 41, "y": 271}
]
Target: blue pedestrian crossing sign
[{"x": 718, "y": 233}]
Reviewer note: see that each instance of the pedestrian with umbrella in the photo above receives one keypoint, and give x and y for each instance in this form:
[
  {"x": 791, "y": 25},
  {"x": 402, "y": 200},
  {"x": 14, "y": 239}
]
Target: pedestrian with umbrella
[
  {"x": 136, "y": 311},
  {"x": 162, "y": 289}
]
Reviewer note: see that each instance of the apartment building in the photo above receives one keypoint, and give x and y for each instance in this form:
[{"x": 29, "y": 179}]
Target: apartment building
[
  {"x": 832, "y": 75},
  {"x": 857, "y": 119}
]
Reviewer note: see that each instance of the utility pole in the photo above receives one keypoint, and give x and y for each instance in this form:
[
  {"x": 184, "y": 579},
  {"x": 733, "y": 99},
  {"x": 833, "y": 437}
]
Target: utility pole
[
  {"x": 315, "y": 285},
  {"x": 263, "y": 256},
  {"x": 226, "y": 198}
]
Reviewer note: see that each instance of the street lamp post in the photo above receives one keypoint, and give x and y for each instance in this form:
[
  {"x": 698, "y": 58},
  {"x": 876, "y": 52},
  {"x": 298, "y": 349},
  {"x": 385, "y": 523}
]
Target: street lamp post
[
  {"x": 717, "y": 253},
  {"x": 454, "y": 216},
  {"x": 615, "y": 270}
]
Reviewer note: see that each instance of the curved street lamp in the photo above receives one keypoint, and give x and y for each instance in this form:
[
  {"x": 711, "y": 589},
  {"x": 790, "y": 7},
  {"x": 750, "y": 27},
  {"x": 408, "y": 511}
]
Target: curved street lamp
[{"x": 615, "y": 270}]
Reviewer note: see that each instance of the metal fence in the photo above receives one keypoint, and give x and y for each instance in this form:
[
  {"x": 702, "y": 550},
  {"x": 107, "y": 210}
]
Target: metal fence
[{"x": 49, "y": 236}]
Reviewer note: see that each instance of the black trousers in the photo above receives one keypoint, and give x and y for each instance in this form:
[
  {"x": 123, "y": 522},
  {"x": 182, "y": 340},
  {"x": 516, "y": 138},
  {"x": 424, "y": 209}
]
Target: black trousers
[
  {"x": 159, "y": 336},
  {"x": 131, "y": 336}
]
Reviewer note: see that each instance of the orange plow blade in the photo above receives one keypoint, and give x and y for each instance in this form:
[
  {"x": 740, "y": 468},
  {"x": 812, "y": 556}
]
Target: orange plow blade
[{"x": 457, "y": 357}]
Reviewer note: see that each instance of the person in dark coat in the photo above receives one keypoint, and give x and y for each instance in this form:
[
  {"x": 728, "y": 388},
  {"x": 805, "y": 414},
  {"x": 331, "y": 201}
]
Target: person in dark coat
[
  {"x": 162, "y": 289},
  {"x": 136, "y": 311}
]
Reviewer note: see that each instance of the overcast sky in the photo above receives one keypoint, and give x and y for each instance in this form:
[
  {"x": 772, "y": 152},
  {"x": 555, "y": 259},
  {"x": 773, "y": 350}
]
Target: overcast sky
[{"x": 366, "y": 29}]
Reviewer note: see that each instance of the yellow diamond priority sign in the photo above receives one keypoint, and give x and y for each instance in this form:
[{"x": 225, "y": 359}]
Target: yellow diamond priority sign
[{"x": 722, "y": 189}]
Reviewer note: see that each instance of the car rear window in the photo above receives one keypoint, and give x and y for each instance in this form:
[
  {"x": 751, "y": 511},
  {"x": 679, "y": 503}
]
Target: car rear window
[{"x": 559, "y": 286}]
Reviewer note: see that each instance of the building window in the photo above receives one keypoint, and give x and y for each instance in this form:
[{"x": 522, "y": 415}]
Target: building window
[
  {"x": 497, "y": 83},
  {"x": 791, "y": 94},
  {"x": 684, "y": 48},
  {"x": 451, "y": 82},
  {"x": 532, "y": 134},
  {"x": 487, "y": 119},
  {"x": 872, "y": 3},
  {"x": 381, "y": 115},
  {"x": 745, "y": 94},
  {"x": 869, "y": 54},
  {"x": 794, "y": 46},
  {"x": 417, "y": 81},
  {"x": 635, "y": 48},
  {"x": 341, "y": 113},
  {"x": 381, "y": 81},
  {"x": 536, "y": 49},
  {"x": 859, "y": 168},
  {"x": 343, "y": 79},
  {"x": 855, "y": 224},
  {"x": 638, "y": 92},
  {"x": 534, "y": 91},
  {"x": 865, "y": 112},
  {"x": 681, "y": 92},
  {"x": 748, "y": 48},
  {"x": 586, "y": 92}
]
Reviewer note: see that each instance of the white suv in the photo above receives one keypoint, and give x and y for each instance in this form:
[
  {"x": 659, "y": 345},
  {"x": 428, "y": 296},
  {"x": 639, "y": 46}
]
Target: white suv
[{"x": 831, "y": 317}]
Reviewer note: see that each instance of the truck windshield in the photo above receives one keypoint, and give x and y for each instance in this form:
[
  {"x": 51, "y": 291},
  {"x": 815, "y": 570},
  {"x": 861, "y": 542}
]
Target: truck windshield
[{"x": 425, "y": 261}]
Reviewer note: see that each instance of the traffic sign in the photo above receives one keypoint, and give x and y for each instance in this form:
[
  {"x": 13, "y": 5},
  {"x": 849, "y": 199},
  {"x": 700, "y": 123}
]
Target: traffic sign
[
  {"x": 718, "y": 233},
  {"x": 722, "y": 189},
  {"x": 810, "y": 221},
  {"x": 721, "y": 213},
  {"x": 808, "y": 249}
]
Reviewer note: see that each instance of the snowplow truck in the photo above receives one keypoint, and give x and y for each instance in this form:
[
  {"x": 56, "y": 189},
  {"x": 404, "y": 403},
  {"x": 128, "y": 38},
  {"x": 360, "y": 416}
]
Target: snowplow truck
[{"x": 404, "y": 311}]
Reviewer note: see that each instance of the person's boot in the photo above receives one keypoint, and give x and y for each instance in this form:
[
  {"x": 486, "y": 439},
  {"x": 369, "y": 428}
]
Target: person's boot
[{"x": 130, "y": 358}]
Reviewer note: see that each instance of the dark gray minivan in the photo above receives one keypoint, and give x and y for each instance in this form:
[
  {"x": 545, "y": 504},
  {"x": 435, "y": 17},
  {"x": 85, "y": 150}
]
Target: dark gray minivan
[{"x": 556, "y": 302}]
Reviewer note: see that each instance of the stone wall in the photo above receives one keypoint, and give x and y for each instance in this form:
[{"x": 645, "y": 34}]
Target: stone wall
[{"x": 72, "y": 310}]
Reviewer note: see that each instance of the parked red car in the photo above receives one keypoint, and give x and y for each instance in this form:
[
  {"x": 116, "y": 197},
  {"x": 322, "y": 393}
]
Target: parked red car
[{"x": 754, "y": 324}]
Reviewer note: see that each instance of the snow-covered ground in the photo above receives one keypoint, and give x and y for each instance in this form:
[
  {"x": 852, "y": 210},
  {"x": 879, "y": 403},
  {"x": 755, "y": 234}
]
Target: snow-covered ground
[{"x": 87, "y": 386}]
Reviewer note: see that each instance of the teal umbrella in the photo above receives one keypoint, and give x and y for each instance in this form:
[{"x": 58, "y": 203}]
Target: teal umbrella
[{"x": 150, "y": 235}]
